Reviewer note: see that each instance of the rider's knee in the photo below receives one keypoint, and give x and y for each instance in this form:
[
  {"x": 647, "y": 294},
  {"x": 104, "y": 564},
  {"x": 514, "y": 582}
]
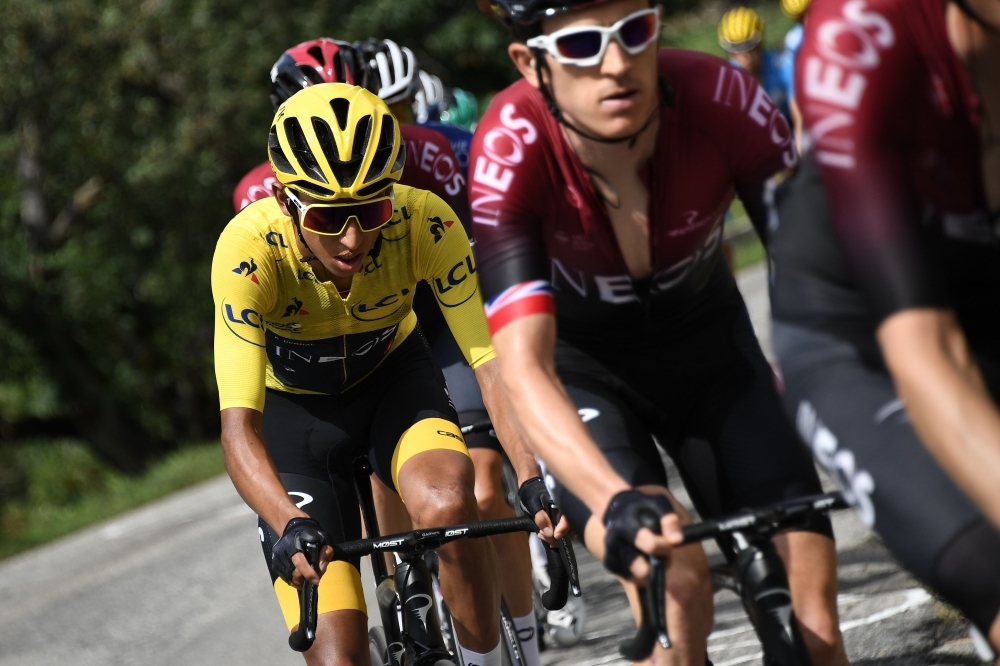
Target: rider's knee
[
  {"x": 820, "y": 631},
  {"x": 689, "y": 580},
  {"x": 445, "y": 504}
]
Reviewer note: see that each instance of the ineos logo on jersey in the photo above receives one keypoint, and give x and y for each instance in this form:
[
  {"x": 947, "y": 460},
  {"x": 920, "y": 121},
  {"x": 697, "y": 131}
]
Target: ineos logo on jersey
[
  {"x": 427, "y": 156},
  {"x": 858, "y": 484},
  {"x": 304, "y": 498},
  {"x": 735, "y": 87},
  {"x": 588, "y": 413},
  {"x": 847, "y": 46},
  {"x": 494, "y": 172}
]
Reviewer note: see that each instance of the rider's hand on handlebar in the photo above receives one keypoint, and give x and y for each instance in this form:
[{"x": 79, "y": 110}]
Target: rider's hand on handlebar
[
  {"x": 630, "y": 521},
  {"x": 535, "y": 499},
  {"x": 546, "y": 532},
  {"x": 656, "y": 544},
  {"x": 288, "y": 559},
  {"x": 304, "y": 572}
]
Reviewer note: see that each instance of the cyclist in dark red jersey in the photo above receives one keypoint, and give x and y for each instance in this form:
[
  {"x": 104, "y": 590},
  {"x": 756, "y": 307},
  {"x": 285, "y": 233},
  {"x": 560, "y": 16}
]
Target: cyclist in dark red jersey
[
  {"x": 886, "y": 286},
  {"x": 597, "y": 189}
]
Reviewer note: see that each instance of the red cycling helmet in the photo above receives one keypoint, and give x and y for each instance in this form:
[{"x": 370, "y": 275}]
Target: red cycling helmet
[{"x": 322, "y": 60}]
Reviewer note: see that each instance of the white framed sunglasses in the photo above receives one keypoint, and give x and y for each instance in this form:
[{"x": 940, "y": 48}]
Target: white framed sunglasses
[
  {"x": 331, "y": 219},
  {"x": 584, "y": 46}
]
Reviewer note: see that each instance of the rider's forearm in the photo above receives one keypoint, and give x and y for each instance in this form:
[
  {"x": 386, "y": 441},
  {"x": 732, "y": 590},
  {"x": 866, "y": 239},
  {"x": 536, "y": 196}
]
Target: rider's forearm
[
  {"x": 502, "y": 417},
  {"x": 548, "y": 417},
  {"x": 947, "y": 400},
  {"x": 251, "y": 469}
]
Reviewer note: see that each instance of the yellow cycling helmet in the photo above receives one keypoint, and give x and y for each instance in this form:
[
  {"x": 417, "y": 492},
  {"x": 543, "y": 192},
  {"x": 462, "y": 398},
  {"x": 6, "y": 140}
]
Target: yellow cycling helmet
[
  {"x": 740, "y": 29},
  {"x": 336, "y": 141},
  {"x": 794, "y": 9}
]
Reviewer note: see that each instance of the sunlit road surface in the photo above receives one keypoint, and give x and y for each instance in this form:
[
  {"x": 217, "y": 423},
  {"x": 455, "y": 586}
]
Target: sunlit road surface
[{"x": 183, "y": 581}]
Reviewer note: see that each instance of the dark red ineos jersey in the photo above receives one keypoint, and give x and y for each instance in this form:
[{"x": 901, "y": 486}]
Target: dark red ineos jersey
[
  {"x": 430, "y": 165},
  {"x": 893, "y": 126},
  {"x": 543, "y": 236}
]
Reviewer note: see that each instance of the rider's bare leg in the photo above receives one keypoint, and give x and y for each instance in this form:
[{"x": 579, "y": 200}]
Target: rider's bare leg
[
  {"x": 689, "y": 593},
  {"x": 438, "y": 487},
  {"x": 341, "y": 639},
  {"x": 811, "y": 562},
  {"x": 512, "y": 549},
  {"x": 391, "y": 514}
]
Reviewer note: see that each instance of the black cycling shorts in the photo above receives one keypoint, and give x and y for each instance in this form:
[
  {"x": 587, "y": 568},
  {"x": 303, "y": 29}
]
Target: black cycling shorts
[
  {"x": 850, "y": 415},
  {"x": 708, "y": 396},
  {"x": 398, "y": 411}
]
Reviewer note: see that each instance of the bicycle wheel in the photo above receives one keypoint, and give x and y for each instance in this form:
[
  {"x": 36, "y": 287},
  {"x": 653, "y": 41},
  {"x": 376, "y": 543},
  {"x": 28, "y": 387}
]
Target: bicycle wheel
[
  {"x": 511, "y": 654},
  {"x": 377, "y": 647}
]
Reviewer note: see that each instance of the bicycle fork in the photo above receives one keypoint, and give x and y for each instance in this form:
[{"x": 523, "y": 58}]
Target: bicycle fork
[{"x": 768, "y": 602}]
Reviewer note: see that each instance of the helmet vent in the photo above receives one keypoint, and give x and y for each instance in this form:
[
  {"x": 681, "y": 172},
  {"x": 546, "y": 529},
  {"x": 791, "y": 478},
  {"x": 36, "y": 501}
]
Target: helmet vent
[
  {"x": 326, "y": 141},
  {"x": 277, "y": 155},
  {"x": 317, "y": 53},
  {"x": 312, "y": 188},
  {"x": 301, "y": 151},
  {"x": 369, "y": 190},
  {"x": 400, "y": 157},
  {"x": 341, "y": 107},
  {"x": 383, "y": 151},
  {"x": 347, "y": 172}
]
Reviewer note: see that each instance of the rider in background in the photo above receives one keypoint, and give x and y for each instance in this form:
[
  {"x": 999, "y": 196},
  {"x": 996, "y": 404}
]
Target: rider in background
[
  {"x": 396, "y": 71},
  {"x": 598, "y": 186},
  {"x": 886, "y": 281},
  {"x": 741, "y": 32},
  {"x": 795, "y": 10},
  {"x": 431, "y": 102}
]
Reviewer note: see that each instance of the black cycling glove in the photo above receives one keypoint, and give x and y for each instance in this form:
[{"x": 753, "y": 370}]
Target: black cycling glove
[
  {"x": 534, "y": 495},
  {"x": 296, "y": 532},
  {"x": 629, "y": 511}
]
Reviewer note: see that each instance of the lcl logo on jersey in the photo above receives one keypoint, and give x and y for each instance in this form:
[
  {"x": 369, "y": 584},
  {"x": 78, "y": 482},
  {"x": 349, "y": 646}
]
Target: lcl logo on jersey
[
  {"x": 276, "y": 239},
  {"x": 246, "y": 317},
  {"x": 458, "y": 274},
  {"x": 250, "y": 267},
  {"x": 381, "y": 308},
  {"x": 439, "y": 226}
]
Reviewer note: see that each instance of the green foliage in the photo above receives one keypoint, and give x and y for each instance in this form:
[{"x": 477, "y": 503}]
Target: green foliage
[
  {"x": 67, "y": 488},
  {"x": 130, "y": 122}
]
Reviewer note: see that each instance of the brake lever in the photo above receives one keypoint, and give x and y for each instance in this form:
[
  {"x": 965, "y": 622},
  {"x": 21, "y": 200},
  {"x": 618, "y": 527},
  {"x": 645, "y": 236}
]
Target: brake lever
[
  {"x": 652, "y": 604},
  {"x": 566, "y": 551},
  {"x": 302, "y": 638},
  {"x": 561, "y": 567}
]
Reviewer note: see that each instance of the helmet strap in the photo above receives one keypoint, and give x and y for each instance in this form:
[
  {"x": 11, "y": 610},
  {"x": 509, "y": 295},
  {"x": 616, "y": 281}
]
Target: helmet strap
[{"x": 666, "y": 95}]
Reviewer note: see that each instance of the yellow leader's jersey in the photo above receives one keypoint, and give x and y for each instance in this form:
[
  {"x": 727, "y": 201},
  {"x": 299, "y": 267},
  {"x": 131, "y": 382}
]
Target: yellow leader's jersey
[{"x": 276, "y": 325}]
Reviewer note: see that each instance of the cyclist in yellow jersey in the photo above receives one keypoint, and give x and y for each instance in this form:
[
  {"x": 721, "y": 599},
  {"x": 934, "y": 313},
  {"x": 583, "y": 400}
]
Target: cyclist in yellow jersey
[{"x": 319, "y": 359}]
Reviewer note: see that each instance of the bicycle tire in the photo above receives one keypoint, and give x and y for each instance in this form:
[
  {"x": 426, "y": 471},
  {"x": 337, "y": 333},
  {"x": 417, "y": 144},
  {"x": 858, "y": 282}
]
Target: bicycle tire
[
  {"x": 378, "y": 649},
  {"x": 512, "y": 653}
]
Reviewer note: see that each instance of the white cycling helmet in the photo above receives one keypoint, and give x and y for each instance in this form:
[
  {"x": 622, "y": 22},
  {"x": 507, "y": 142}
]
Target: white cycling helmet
[
  {"x": 429, "y": 99},
  {"x": 396, "y": 68}
]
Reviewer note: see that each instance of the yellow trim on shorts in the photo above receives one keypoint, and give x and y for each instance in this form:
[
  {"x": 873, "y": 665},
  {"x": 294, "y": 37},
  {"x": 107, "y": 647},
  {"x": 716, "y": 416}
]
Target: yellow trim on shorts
[
  {"x": 339, "y": 589},
  {"x": 426, "y": 435}
]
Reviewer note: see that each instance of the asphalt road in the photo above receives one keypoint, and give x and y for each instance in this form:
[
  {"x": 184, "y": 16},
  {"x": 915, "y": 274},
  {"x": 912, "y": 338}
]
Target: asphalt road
[{"x": 182, "y": 581}]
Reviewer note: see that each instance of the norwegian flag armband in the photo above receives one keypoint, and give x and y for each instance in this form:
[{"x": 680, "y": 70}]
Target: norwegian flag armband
[{"x": 521, "y": 300}]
